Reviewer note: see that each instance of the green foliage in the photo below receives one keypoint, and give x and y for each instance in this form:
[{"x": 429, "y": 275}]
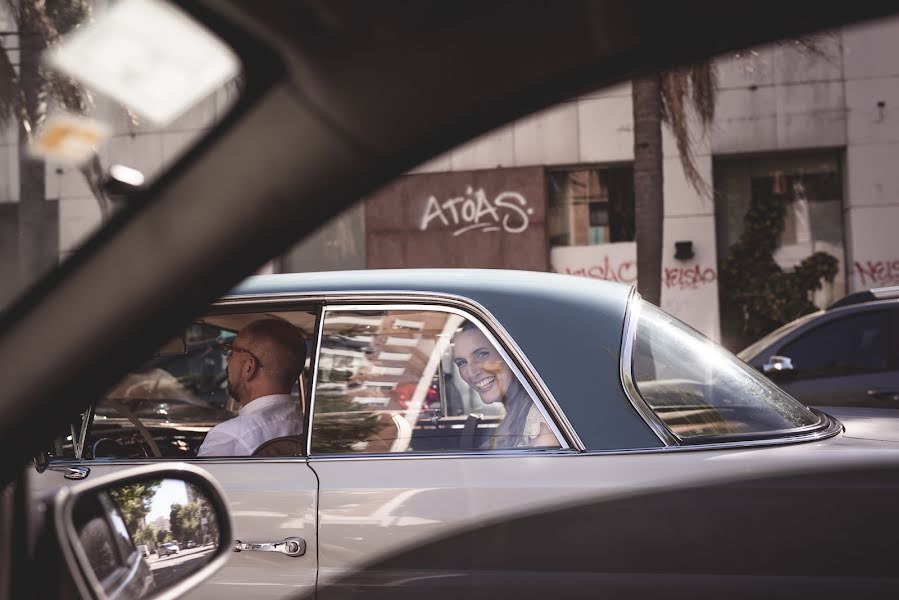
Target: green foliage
[
  {"x": 184, "y": 522},
  {"x": 135, "y": 502},
  {"x": 755, "y": 290},
  {"x": 146, "y": 535},
  {"x": 163, "y": 536}
]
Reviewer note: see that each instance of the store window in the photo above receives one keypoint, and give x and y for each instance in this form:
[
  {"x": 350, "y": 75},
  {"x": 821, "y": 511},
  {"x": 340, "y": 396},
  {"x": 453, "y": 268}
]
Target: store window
[{"x": 591, "y": 206}]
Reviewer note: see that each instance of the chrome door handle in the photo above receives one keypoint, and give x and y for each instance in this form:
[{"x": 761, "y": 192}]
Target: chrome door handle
[
  {"x": 75, "y": 473},
  {"x": 292, "y": 546}
]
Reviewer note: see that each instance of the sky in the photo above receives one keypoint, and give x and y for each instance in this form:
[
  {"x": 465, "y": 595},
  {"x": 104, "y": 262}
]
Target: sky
[{"x": 171, "y": 491}]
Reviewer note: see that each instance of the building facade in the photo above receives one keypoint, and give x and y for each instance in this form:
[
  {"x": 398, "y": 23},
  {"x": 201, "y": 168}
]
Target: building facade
[{"x": 815, "y": 127}]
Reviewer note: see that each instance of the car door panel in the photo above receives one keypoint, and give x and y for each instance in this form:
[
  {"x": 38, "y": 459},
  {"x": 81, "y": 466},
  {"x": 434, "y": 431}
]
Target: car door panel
[
  {"x": 269, "y": 500},
  {"x": 848, "y": 390},
  {"x": 636, "y": 524}
]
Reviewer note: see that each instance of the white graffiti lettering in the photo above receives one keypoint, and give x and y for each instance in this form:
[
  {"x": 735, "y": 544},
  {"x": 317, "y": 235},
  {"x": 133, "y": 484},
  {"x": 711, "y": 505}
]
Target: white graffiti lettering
[{"x": 508, "y": 212}]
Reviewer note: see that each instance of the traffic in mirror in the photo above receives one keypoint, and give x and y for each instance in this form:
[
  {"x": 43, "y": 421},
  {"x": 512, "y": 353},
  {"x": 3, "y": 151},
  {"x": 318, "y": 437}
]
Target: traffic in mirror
[{"x": 154, "y": 533}]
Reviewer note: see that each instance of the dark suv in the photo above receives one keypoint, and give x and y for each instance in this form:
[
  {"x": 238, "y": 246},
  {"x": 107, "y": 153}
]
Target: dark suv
[{"x": 846, "y": 355}]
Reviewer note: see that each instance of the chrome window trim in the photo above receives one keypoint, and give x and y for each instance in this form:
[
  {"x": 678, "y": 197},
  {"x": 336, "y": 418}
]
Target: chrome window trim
[
  {"x": 629, "y": 332},
  {"x": 440, "y": 299},
  {"x": 825, "y": 428},
  {"x": 832, "y": 429},
  {"x": 439, "y": 306},
  {"x": 319, "y": 331},
  {"x": 86, "y": 422}
]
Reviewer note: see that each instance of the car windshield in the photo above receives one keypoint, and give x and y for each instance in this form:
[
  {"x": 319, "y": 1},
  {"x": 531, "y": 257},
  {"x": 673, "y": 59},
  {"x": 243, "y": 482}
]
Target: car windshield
[
  {"x": 701, "y": 391},
  {"x": 96, "y": 100}
]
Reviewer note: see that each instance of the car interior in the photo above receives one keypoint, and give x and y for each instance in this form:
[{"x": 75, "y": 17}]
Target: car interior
[
  {"x": 337, "y": 99},
  {"x": 365, "y": 403}
]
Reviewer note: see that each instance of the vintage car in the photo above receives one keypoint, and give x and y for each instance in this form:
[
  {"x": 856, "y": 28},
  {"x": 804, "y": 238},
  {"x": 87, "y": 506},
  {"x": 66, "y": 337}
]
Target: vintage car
[{"x": 531, "y": 392}]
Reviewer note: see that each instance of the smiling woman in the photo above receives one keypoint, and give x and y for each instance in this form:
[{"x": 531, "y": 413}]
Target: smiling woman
[{"x": 415, "y": 380}]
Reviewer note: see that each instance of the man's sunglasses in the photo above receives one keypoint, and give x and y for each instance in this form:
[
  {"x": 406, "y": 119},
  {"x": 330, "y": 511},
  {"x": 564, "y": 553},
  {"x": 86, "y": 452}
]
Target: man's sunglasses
[{"x": 229, "y": 349}]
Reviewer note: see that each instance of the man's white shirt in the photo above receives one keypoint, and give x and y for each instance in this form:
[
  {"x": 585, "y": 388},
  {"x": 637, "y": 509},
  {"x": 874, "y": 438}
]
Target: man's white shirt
[{"x": 263, "y": 419}]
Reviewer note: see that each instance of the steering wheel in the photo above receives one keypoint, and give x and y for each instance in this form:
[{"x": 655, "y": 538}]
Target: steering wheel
[{"x": 149, "y": 442}]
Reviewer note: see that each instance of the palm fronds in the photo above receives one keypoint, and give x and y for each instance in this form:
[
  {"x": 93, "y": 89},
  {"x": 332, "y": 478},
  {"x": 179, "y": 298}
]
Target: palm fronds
[{"x": 693, "y": 87}]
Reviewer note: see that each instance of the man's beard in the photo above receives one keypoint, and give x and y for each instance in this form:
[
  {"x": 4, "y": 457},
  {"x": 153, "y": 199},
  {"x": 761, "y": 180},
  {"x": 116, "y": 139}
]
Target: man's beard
[{"x": 233, "y": 391}]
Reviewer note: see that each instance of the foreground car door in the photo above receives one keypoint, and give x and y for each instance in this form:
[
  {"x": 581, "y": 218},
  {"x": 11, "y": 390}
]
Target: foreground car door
[{"x": 162, "y": 413}]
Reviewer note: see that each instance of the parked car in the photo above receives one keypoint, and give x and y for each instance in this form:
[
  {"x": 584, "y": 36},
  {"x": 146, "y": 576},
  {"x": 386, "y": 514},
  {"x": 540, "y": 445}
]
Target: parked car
[
  {"x": 168, "y": 549},
  {"x": 846, "y": 355},
  {"x": 624, "y": 399},
  {"x": 143, "y": 549}
]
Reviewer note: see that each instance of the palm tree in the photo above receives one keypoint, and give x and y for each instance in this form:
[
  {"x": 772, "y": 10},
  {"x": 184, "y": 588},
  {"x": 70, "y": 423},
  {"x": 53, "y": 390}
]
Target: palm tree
[
  {"x": 27, "y": 93},
  {"x": 659, "y": 98}
]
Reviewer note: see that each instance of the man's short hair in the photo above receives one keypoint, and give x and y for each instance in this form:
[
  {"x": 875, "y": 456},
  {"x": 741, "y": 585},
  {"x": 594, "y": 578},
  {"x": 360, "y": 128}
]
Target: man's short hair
[{"x": 287, "y": 357}]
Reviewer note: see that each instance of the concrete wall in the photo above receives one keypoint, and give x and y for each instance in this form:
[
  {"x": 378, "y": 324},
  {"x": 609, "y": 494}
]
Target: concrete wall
[
  {"x": 777, "y": 99},
  {"x": 872, "y": 153},
  {"x": 785, "y": 98},
  {"x": 492, "y": 218}
]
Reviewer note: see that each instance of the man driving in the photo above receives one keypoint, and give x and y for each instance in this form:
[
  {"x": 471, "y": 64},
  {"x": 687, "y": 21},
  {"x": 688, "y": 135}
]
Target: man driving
[{"x": 263, "y": 363}]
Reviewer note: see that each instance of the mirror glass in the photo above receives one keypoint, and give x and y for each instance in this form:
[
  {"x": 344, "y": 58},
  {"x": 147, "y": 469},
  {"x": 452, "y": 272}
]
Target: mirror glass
[{"x": 143, "y": 537}]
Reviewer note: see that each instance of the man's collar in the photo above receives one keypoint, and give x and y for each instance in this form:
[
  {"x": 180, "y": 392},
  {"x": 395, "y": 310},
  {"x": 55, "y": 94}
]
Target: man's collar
[{"x": 263, "y": 402}]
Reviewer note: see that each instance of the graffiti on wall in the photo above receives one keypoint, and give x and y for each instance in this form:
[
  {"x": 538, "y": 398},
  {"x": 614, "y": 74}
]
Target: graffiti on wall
[
  {"x": 507, "y": 211},
  {"x": 618, "y": 262},
  {"x": 688, "y": 278},
  {"x": 872, "y": 273},
  {"x": 624, "y": 271}
]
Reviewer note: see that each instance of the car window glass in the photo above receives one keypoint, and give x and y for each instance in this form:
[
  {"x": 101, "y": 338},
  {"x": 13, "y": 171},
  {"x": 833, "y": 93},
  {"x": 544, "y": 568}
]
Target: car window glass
[
  {"x": 418, "y": 381},
  {"x": 166, "y": 408},
  {"x": 851, "y": 345},
  {"x": 698, "y": 389}
]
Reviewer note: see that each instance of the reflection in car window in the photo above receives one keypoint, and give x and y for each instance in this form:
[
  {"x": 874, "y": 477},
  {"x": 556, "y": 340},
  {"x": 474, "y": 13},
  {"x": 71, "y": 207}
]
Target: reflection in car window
[
  {"x": 418, "y": 381},
  {"x": 699, "y": 389},
  {"x": 848, "y": 346}
]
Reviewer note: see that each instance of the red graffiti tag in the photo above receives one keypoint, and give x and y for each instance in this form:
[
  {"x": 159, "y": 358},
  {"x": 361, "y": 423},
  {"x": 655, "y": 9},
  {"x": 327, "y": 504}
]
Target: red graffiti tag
[
  {"x": 624, "y": 272},
  {"x": 689, "y": 278},
  {"x": 877, "y": 272}
]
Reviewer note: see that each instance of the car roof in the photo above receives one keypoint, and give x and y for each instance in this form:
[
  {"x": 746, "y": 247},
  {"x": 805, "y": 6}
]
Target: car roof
[
  {"x": 338, "y": 97},
  {"x": 570, "y": 329},
  {"x": 863, "y": 296}
]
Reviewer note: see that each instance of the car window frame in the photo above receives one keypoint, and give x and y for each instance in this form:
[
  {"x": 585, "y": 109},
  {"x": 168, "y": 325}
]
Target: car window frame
[
  {"x": 825, "y": 428},
  {"x": 520, "y": 370},
  {"x": 219, "y": 307}
]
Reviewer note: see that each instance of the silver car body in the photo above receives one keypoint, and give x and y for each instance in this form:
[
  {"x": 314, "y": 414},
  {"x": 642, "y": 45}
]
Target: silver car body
[{"x": 570, "y": 339}]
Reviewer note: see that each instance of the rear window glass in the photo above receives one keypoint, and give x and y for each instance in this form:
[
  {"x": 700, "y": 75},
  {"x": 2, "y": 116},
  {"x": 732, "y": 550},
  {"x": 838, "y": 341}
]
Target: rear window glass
[{"x": 699, "y": 390}]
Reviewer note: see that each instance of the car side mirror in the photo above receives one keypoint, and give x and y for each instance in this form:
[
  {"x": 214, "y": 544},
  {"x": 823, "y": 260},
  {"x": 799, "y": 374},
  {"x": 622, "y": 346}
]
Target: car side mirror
[
  {"x": 779, "y": 368},
  {"x": 110, "y": 531}
]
